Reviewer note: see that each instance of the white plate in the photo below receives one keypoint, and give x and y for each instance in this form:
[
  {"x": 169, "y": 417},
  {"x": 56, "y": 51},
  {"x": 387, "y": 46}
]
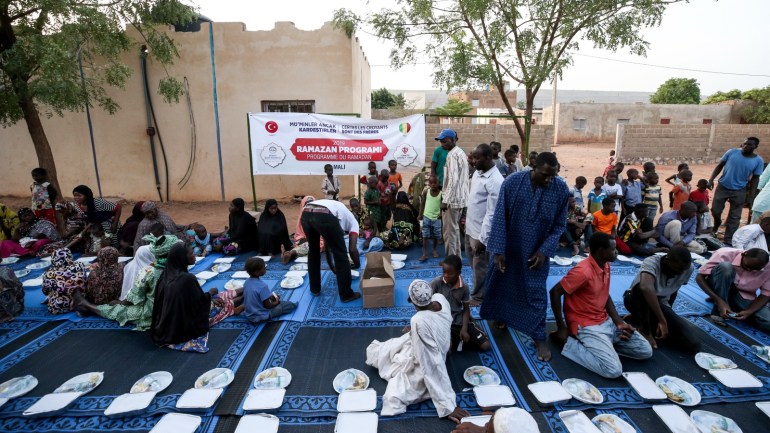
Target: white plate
[
  {"x": 494, "y": 396},
  {"x": 17, "y": 386},
  {"x": 583, "y": 391},
  {"x": 189, "y": 267},
  {"x": 397, "y": 265},
  {"x": 86, "y": 260},
  {"x": 356, "y": 422},
  {"x": 577, "y": 422},
  {"x": 124, "y": 259},
  {"x": 221, "y": 267},
  {"x": 549, "y": 393},
  {"x": 241, "y": 275},
  {"x": 129, "y": 404},
  {"x": 298, "y": 274},
  {"x": 644, "y": 386},
  {"x": 354, "y": 274},
  {"x": 224, "y": 260},
  {"x": 198, "y": 259},
  {"x": 632, "y": 260},
  {"x": 301, "y": 260},
  {"x": 206, "y": 275},
  {"x": 299, "y": 267},
  {"x": 153, "y": 382},
  {"x": 609, "y": 423},
  {"x": 52, "y": 403},
  {"x": 577, "y": 259},
  {"x": 3, "y": 401},
  {"x": 479, "y": 375},
  {"x": 177, "y": 423},
  {"x": 234, "y": 284},
  {"x": 9, "y": 260},
  {"x": 39, "y": 265},
  {"x": 265, "y": 258},
  {"x": 764, "y": 406},
  {"x": 562, "y": 261},
  {"x": 357, "y": 401},
  {"x": 271, "y": 378},
  {"x": 82, "y": 383},
  {"x": 201, "y": 281},
  {"x": 678, "y": 391},
  {"x": 21, "y": 273},
  {"x": 195, "y": 398},
  {"x": 764, "y": 356},
  {"x": 675, "y": 418},
  {"x": 263, "y": 399},
  {"x": 479, "y": 420},
  {"x": 33, "y": 282},
  {"x": 736, "y": 378},
  {"x": 292, "y": 282},
  {"x": 215, "y": 379},
  {"x": 259, "y": 423},
  {"x": 350, "y": 380},
  {"x": 398, "y": 257},
  {"x": 708, "y": 361},
  {"x": 710, "y": 422}
]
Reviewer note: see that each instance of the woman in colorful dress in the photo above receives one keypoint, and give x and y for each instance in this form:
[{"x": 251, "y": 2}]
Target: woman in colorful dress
[
  {"x": 406, "y": 228},
  {"x": 62, "y": 280},
  {"x": 87, "y": 209},
  {"x": 11, "y": 295},
  {"x": 106, "y": 278},
  {"x": 31, "y": 235}
]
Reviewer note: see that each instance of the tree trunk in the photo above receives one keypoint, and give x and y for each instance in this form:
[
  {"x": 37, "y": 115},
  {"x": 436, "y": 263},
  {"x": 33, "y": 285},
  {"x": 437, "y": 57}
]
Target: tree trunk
[
  {"x": 528, "y": 112},
  {"x": 501, "y": 89},
  {"x": 40, "y": 141}
]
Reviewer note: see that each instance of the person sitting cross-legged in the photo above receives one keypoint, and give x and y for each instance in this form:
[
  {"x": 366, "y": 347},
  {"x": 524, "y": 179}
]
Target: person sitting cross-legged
[
  {"x": 679, "y": 227},
  {"x": 594, "y": 334}
]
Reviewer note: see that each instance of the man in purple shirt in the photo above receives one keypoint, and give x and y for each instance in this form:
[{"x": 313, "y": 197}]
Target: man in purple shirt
[{"x": 678, "y": 228}]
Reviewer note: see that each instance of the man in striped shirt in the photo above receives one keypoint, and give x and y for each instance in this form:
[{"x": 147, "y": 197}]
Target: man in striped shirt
[{"x": 455, "y": 191}]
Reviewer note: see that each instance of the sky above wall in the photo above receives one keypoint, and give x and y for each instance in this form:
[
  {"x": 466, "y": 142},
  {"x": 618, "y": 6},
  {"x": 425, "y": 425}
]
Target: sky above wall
[{"x": 727, "y": 36}]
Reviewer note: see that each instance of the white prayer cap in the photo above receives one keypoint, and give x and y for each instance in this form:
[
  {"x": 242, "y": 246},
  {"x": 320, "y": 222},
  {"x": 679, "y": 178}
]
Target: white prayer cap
[
  {"x": 420, "y": 293},
  {"x": 513, "y": 419}
]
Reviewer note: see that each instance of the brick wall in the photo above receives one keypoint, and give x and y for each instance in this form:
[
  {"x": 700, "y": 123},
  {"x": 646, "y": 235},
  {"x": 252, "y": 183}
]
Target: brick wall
[
  {"x": 694, "y": 144},
  {"x": 470, "y": 136}
]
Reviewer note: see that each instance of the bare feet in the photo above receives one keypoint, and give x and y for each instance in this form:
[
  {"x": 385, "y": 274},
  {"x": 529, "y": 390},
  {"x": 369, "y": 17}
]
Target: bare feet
[
  {"x": 650, "y": 340},
  {"x": 286, "y": 257},
  {"x": 423, "y": 258},
  {"x": 543, "y": 352},
  {"x": 435, "y": 254},
  {"x": 575, "y": 250}
]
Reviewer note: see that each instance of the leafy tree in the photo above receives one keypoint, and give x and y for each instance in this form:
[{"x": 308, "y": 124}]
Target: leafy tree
[
  {"x": 722, "y": 96},
  {"x": 677, "y": 91},
  {"x": 383, "y": 98},
  {"x": 454, "y": 108},
  {"x": 760, "y": 111},
  {"x": 43, "y": 42},
  {"x": 476, "y": 43}
]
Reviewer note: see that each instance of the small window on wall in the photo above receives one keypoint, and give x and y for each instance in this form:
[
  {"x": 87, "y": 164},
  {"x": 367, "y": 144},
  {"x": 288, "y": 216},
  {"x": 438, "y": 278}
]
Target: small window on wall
[
  {"x": 579, "y": 124},
  {"x": 297, "y": 106},
  {"x": 707, "y": 121},
  {"x": 665, "y": 121},
  {"x": 624, "y": 121},
  {"x": 474, "y": 102}
]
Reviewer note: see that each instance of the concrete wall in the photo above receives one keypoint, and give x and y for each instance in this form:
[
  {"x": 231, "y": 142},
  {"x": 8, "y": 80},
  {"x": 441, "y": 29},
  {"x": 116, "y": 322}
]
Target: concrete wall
[
  {"x": 470, "y": 136},
  {"x": 694, "y": 144},
  {"x": 601, "y": 119},
  {"x": 251, "y": 66}
]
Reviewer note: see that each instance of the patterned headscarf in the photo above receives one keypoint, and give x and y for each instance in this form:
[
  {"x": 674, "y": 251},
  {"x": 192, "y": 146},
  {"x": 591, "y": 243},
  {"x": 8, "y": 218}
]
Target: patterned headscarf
[
  {"x": 106, "y": 278},
  {"x": 148, "y": 206},
  {"x": 513, "y": 419},
  {"x": 11, "y": 294},
  {"x": 160, "y": 246},
  {"x": 65, "y": 274},
  {"x": 420, "y": 293}
]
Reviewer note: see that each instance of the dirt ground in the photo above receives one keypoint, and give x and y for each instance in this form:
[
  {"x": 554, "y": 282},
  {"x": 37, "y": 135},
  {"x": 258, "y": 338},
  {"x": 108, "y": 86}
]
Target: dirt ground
[{"x": 586, "y": 160}]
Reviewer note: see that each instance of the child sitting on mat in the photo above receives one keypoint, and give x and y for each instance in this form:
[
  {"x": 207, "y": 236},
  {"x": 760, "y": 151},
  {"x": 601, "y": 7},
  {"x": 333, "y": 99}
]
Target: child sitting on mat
[
  {"x": 201, "y": 241},
  {"x": 261, "y": 305}
]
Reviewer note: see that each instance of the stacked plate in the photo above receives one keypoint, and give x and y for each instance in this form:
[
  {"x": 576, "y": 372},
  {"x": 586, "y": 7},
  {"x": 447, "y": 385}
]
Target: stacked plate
[
  {"x": 208, "y": 388},
  {"x": 140, "y": 396},
  {"x": 65, "y": 395},
  {"x": 269, "y": 390},
  {"x": 16, "y": 387}
]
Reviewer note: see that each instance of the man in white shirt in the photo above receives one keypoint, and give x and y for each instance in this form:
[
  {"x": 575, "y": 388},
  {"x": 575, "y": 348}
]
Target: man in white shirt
[
  {"x": 455, "y": 191},
  {"x": 753, "y": 235},
  {"x": 331, "y": 220},
  {"x": 485, "y": 189}
]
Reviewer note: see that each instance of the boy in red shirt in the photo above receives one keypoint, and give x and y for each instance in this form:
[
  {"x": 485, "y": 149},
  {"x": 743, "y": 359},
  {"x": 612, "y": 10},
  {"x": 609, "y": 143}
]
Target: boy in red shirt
[
  {"x": 594, "y": 334},
  {"x": 700, "y": 193}
]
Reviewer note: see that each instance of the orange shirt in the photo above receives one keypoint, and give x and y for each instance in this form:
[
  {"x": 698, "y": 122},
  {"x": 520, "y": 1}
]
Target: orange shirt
[
  {"x": 681, "y": 194},
  {"x": 587, "y": 288},
  {"x": 395, "y": 179},
  {"x": 605, "y": 223}
]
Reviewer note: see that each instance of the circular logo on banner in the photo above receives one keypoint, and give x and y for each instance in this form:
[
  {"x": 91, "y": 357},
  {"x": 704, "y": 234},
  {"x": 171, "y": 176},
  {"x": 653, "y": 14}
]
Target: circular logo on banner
[
  {"x": 404, "y": 128},
  {"x": 271, "y": 127},
  {"x": 405, "y": 155}
]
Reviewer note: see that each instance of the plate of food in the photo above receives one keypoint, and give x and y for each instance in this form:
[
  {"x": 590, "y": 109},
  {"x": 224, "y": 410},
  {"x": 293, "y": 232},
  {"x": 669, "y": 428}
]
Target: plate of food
[
  {"x": 562, "y": 261},
  {"x": 678, "y": 391},
  {"x": 710, "y": 422},
  {"x": 17, "y": 387},
  {"x": 9, "y": 260},
  {"x": 397, "y": 265},
  {"x": 153, "y": 382},
  {"x": 224, "y": 260},
  {"x": 609, "y": 423},
  {"x": 583, "y": 391},
  {"x": 350, "y": 380},
  {"x": 478, "y": 375},
  {"x": 221, "y": 267},
  {"x": 577, "y": 421},
  {"x": 39, "y": 265},
  {"x": 234, "y": 284},
  {"x": 214, "y": 379},
  {"x": 708, "y": 361},
  {"x": 298, "y": 267},
  {"x": 292, "y": 282},
  {"x": 763, "y": 352},
  {"x": 201, "y": 281},
  {"x": 577, "y": 259},
  {"x": 83, "y": 383},
  {"x": 271, "y": 378},
  {"x": 21, "y": 273}
]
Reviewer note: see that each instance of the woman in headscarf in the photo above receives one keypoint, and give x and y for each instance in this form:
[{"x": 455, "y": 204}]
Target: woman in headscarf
[
  {"x": 8, "y": 222},
  {"x": 142, "y": 259},
  {"x": 405, "y": 229},
  {"x": 106, "y": 277},
  {"x": 242, "y": 234},
  {"x": 127, "y": 233},
  {"x": 152, "y": 215},
  {"x": 300, "y": 248},
  {"x": 89, "y": 210},
  {"x": 62, "y": 280},
  {"x": 272, "y": 229},
  {"x": 30, "y": 235},
  {"x": 137, "y": 307},
  {"x": 11, "y": 295}
]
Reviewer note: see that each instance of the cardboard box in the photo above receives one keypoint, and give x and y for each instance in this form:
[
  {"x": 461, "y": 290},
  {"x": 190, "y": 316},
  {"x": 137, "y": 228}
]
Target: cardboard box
[{"x": 378, "y": 281}]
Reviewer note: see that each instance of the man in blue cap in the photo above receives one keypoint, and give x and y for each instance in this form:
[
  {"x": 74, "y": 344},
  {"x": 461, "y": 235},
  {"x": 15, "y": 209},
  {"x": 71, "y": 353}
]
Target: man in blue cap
[
  {"x": 438, "y": 159},
  {"x": 454, "y": 192}
]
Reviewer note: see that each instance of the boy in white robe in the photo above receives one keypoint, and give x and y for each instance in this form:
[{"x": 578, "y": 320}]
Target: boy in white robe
[{"x": 415, "y": 363}]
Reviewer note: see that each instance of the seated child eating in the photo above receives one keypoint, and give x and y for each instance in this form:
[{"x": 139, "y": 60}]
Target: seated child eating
[
  {"x": 201, "y": 241},
  {"x": 451, "y": 285},
  {"x": 369, "y": 241},
  {"x": 260, "y": 304}
]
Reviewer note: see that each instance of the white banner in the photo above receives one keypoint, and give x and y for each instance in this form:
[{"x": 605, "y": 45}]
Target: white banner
[{"x": 302, "y": 143}]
